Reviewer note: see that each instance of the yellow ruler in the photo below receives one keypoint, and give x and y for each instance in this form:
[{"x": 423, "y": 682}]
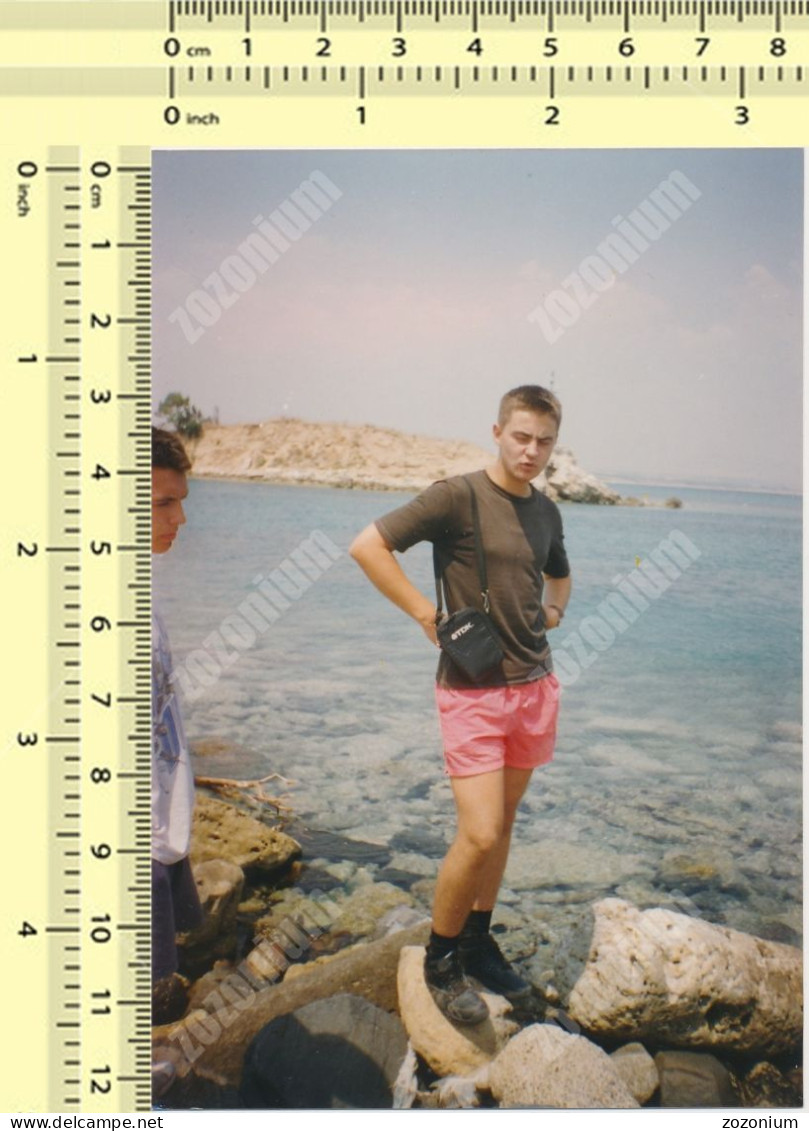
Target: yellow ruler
[
  {"x": 76, "y": 821},
  {"x": 87, "y": 89},
  {"x": 371, "y": 72}
]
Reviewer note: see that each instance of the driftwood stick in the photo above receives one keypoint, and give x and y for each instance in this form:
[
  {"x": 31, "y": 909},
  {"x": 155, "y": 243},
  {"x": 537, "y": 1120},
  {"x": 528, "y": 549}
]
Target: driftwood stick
[
  {"x": 214, "y": 783},
  {"x": 251, "y": 786}
]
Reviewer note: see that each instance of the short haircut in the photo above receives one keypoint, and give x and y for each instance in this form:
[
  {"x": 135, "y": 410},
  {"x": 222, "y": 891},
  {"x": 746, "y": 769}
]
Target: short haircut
[
  {"x": 532, "y": 398},
  {"x": 168, "y": 451}
]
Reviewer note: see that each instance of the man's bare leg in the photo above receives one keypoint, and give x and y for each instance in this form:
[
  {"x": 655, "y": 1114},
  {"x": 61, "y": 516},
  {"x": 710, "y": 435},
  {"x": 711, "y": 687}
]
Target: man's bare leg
[
  {"x": 479, "y": 801},
  {"x": 473, "y": 869},
  {"x": 515, "y": 783},
  {"x": 480, "y": 806},
  {"x": 470, "y": 877}
]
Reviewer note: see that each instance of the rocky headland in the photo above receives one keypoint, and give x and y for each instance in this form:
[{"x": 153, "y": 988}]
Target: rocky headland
[
  {"x": 311, "y": 953},
  {"x": 285, "y": 450}
]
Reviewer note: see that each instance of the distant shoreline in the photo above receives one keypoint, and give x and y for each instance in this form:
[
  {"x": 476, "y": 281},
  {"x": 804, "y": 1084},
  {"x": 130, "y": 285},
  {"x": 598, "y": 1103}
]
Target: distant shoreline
[
  {"x": 611, "y": 482},
  {"x": 746, "y": 490},
  {"x": 269, "y": 482}
]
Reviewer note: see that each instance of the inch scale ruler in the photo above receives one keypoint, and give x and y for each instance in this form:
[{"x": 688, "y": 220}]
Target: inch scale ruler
[
  {"x": 77, "y": 726},
  {"x": 87, "y": 87},
  {"x": 494, "y": 72}
]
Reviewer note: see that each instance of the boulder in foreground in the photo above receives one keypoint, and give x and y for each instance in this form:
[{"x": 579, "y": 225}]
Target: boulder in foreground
[
  {"x": 545, "y": 1067},
  {"x": 224, "y": 832},
  {"x": 662, "y": 975},
  {"x": 343, "y": 1052}
]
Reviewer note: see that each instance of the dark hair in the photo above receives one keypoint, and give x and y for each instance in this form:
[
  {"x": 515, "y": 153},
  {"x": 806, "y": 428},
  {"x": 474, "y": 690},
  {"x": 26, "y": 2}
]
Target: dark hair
[
  {"x": 532, "y": 398},
  {"x": 168, "y": 451}
]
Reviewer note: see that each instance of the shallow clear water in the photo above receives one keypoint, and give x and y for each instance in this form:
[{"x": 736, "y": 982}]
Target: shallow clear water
[{"x": 680, "y": 737}]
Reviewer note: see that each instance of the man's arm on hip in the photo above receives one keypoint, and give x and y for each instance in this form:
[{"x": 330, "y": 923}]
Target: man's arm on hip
[{"x": 376, "y": 558}]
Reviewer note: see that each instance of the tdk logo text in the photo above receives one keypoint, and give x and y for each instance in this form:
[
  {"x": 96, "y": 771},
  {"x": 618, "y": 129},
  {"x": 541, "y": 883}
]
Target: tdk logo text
[{"x": 460, "y": 631}]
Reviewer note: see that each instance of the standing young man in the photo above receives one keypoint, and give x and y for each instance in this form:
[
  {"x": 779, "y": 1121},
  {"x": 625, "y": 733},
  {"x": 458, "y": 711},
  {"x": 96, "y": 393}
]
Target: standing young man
[
  {"x": 175, "y": 903},
  {"x": 495, "y": 732}
]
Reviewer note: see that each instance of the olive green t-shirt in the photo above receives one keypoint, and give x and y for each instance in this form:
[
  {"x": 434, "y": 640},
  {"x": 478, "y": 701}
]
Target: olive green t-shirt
[{"x": 522, "y": 539}]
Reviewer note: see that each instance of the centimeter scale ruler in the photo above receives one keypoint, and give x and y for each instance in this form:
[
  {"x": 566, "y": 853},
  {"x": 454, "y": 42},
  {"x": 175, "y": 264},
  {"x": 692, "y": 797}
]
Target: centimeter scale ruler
[
  {"x": 87, "y": 87},
  {"x": 370, "y": 72},
  {"x": 76, "y": 605}
]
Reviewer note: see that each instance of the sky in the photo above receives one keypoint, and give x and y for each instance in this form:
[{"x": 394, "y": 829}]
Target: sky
[{"x": 430, "y": 282}]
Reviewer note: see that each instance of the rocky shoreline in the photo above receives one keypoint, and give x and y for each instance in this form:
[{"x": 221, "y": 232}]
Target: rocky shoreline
[
  {"x": 306, "y": 453},
  {"x": 307, "y": 951}
]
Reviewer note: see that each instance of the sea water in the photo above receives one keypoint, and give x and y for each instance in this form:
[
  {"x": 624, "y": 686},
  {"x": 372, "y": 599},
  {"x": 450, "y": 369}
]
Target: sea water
[{"x": 677, "y": 773}]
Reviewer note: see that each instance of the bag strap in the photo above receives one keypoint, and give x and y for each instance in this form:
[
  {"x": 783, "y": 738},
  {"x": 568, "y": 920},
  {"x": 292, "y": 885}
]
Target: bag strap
[{"x": 479, "y": 554}]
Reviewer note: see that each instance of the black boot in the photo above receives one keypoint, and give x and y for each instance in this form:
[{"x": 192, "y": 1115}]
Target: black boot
[
  {"x": 481, "y": 958},
  {"x": 451, "y": 992}
]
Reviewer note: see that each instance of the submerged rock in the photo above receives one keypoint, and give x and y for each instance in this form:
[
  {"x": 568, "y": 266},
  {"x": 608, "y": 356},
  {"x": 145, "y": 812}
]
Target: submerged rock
[
  {"x": 695, "y": 871},
  {"x": 554, "y": 864},
  {"x": 362, "y": 911}
]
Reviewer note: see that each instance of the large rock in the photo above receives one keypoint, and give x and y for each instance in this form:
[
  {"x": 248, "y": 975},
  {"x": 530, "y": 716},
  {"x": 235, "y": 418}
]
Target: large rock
[
  {"x": 666, "y": 976},
  {"x": 224, "y": 832},
  {"x": 342, "y": 1052},
  {"x": 545, "y": 1067},
  {"x": 694, "y": 1079},
  {"x": 564, "y": 480},
  {"x": 213, "y": 1048},
  {"x": 449, "y": 1050}
]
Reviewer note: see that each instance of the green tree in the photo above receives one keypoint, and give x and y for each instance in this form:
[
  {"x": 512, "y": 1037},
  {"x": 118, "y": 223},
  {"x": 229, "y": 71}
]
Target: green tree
[{"x": 185, "y": 417}]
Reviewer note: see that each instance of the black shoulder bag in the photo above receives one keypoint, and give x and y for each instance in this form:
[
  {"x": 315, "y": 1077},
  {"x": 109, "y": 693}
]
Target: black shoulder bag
[{"x": 468, "y": 637}]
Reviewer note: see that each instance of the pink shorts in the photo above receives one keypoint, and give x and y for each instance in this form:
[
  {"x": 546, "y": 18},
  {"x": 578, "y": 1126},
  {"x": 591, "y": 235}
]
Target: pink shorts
[{"x": 487, "y": 728}]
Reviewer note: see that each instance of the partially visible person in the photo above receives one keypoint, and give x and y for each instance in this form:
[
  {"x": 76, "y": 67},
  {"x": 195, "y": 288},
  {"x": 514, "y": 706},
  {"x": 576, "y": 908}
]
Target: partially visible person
[{"x": 175, "y": 903}]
